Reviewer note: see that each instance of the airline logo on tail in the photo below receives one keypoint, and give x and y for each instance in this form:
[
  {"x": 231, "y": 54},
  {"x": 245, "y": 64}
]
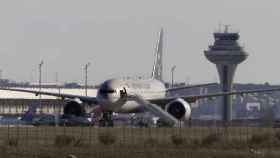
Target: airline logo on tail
[{"x": 157, "y": 68}]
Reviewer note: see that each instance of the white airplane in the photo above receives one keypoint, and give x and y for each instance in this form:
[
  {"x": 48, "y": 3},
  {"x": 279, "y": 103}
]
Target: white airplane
[{"x": 130, "y": 96}]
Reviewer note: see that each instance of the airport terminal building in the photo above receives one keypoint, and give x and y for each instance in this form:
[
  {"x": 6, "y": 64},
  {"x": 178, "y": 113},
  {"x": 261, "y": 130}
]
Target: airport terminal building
[{"x": 15, "y": 103}]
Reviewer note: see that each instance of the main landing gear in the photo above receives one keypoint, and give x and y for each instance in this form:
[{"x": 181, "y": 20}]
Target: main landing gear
[{"x": 106, "y": 120}]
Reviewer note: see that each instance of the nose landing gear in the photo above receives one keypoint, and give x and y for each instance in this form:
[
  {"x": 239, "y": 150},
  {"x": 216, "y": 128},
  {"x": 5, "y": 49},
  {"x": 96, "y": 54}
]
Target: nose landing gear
[{"x": 106, "y": 120}]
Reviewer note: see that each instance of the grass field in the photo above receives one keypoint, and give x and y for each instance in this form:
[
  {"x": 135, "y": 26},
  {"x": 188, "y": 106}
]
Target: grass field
[{"x": 86, "y": 142}]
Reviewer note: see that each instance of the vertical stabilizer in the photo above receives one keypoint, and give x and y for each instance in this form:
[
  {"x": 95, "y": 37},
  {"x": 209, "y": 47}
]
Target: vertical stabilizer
[{"x": 157, "y": 68}]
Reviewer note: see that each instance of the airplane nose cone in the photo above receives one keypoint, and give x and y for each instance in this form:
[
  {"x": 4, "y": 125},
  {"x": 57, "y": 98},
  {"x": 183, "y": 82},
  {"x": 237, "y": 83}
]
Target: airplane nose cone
[
  {"x": 109, "y": 94},
  {"x": 108, "y": 91}
]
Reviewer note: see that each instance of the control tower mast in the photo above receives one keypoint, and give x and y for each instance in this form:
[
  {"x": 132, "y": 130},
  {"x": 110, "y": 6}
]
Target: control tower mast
[{"x": 226, "y": 54}]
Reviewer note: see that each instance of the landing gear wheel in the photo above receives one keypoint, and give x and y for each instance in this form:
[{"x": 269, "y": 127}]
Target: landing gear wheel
[
  {"x": 101, "y": 123},
  {"x": 110, "y": 123},
  {"x": 106, "y": 120}
]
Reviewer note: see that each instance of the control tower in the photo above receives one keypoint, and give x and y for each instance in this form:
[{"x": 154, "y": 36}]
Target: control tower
[{"x": 226, "y": 54}]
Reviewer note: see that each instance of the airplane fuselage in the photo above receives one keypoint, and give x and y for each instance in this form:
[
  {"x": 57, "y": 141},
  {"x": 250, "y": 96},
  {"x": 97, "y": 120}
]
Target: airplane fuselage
[{"x": 111, "y": 93}]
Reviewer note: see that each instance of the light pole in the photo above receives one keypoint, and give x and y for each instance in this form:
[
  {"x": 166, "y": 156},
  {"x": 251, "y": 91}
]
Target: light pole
[
  {"x": 172, "y": 75},
  {"x": 86, "y": 76},
  {"x": 1, "y": 74},
  {"x": 56, "y": 82},
  {"x": 40, "y": 84}
]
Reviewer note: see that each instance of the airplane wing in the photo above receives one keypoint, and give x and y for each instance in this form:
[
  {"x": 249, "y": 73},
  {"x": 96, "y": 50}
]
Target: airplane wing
[
  {"x": 158, "y": 101},
  {"x": 194, "y": 98},
  {"x": 152, "y": 105},
  {"x": 156, "y": 106},
  {"x": 155, "y": 109},
  {"x": 190, "y": 86},
  {"x": 90, "y": 100}
]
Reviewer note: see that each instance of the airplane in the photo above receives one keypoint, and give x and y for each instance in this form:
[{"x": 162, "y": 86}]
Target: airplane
[{"x": 138, "y": 95}]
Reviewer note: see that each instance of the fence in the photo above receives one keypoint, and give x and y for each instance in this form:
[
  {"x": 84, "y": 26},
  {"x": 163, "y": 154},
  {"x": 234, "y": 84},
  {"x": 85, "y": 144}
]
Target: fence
[{"x": 48, "y": 142}]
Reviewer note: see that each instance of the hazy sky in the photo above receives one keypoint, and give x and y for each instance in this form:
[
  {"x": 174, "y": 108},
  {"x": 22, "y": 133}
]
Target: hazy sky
[{"x": 118, "y": 38}]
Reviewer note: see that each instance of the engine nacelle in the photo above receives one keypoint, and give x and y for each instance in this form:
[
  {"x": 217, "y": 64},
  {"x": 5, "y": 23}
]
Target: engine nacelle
[
  {"x": 73, "y": 107},
  {"x": 179, "y": 108}
]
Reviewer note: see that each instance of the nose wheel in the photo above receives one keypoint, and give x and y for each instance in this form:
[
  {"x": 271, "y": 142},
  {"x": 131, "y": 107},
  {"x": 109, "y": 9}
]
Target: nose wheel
[{"x": 107, "y": 119}]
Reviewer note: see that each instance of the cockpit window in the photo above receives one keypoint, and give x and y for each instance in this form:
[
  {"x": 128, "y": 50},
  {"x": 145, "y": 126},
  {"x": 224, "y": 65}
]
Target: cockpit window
[{"x": 106, "y": 91}]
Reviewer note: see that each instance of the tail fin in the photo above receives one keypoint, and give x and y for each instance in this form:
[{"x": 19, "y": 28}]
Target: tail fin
[
  {"x": 29, "y": 114},
  {"x": 157, "y": 68}
]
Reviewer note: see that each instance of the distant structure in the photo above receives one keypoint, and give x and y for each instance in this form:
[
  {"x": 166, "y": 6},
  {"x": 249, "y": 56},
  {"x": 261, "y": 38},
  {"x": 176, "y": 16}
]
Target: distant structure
[{"x": 226, "y": 54}]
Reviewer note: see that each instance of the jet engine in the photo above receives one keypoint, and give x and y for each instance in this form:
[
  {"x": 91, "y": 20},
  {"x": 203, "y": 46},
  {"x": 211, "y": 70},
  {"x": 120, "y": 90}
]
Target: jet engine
[
  {"x": 73, "y": 107},
  {"x": 179, "y": 108}
]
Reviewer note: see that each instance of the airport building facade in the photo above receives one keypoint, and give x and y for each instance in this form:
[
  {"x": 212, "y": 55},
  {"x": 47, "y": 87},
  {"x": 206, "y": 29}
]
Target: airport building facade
[{"x": 15, "y": 103}]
